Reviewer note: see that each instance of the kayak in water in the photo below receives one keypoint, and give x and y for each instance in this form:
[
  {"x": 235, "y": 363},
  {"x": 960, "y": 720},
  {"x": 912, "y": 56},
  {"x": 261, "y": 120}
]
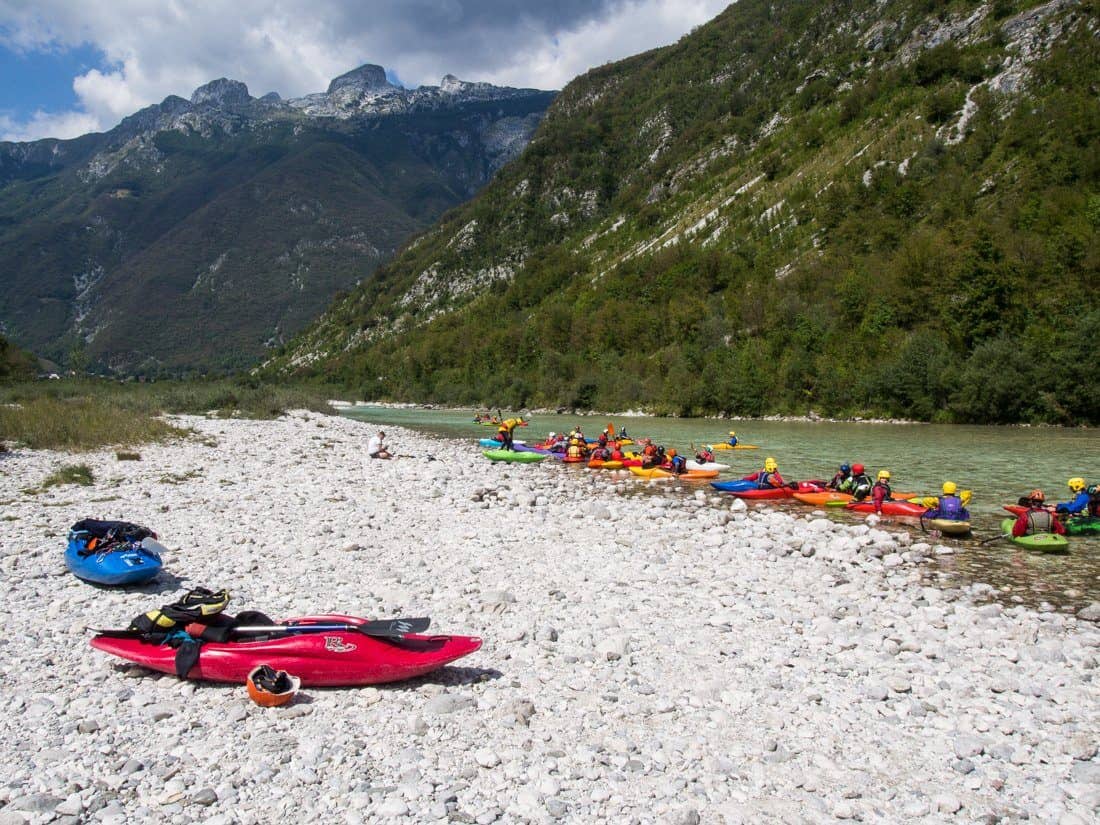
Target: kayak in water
[
  {"x": 692, "y": 464},
  {"x": 947, "y": 527},
  {"x": 829, "y": 498},
  {"x": 736, "y": 447},
  {"x": 600, "y": 464},
  {"x": 889, "y": 508},
  {"x": 690, "y": 475},
  {"x": 336, "y": 656},
  {"x": 1082, "y": 525},
  {"x": 1042, "y": 542},
  {"x": 495, "y": 442},
  {"x": 113, "y": 553},
  {"x": 513, "y": 457}
]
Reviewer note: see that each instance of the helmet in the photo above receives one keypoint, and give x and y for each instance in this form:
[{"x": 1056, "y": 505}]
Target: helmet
[
  {"x": 950, "y": 488},
  {"x": 270, "y": 688},
  {"x": 1037, "y": 495},
  {"x": 1076, "y": 484},
  {"x": 857, "y": 469},
  {"x": 672, "y": 454},
  {"x": 883, "y": 475},
  {"x": 844, "y": 468},
  {"x": 732, "y": 432},
  {"x": 769, "y": 465},
  {"x": 553, "y": 435}
]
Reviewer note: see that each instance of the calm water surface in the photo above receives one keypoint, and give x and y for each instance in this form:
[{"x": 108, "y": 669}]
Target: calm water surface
[{"x": 998, "y": 463}]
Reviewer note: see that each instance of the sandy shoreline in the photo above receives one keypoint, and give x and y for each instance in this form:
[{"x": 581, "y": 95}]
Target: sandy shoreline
[{"x": 647, "y": 658}]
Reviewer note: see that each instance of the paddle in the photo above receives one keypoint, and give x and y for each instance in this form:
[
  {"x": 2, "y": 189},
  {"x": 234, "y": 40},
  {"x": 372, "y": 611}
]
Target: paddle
[
  {"x": 995, "y": 538},
  {"x": 385, "y": 628}
]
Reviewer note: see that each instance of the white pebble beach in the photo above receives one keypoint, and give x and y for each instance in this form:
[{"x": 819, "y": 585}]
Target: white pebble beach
[{"x": 667, "y": 658}]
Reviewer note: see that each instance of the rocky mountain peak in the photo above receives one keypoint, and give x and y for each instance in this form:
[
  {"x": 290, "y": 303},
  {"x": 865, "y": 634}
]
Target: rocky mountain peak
[
  {"x": 367, "y": 76},
  {"x": 221, "y": 92}
]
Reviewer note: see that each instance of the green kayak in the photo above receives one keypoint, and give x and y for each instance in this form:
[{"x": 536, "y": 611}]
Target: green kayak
[
  {"x": 509, "y": 455},
  {"x": 1083, "y": 526},
  {"x": 1043, "y": 542}
]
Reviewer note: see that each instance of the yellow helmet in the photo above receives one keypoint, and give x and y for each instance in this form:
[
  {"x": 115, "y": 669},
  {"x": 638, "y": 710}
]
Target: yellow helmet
[
  {"x": 769, "y": 465},
  {"x": 1077, "y": 484},
  {"x": 732, "y": 432},
  {"x": 883, "y": 475},
  {"x": 950, "y": 488}
]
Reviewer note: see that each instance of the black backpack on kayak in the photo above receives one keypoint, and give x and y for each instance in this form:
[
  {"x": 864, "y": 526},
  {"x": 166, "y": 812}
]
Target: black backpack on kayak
[{"x": 95, "y": 536}]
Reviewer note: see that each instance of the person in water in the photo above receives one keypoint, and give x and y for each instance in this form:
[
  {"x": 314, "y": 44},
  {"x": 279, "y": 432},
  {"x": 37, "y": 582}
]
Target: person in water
[
  {"x": 704, "y": 456},
  {"x": 506, "y": 432},
  {"x": 732, "y": 440},
  {"x": 768, "y": 477},
  {"x": 859, "y": 485},
  {"x": 841, "y": 478},
  {"x": 950, "y": 506},
  {"x": 1036, "y": 519},
  {"x": 1080, "y": 501},
  {"x": 881, "y": 491}
]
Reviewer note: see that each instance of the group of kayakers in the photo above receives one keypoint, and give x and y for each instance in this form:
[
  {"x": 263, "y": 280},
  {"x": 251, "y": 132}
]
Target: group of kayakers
[{"x": 1034, "y": 516}]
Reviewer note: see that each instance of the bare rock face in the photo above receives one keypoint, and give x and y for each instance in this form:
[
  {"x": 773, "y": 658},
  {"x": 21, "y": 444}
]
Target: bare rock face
[
  {"x": 368, "y": 76},
  {"x": 221, "y": 92}
]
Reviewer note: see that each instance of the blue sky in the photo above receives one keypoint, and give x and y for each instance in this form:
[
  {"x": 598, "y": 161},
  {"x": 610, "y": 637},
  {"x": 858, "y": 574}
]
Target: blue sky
[{"x": 68, "y": 67}]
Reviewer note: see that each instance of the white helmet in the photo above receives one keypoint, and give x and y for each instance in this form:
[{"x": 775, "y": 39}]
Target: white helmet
[{"x": 553, "y": 435}]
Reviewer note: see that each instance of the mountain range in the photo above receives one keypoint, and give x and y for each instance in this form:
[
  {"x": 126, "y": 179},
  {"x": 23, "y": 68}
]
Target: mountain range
[
  {"x": 873, "y": 207},
  {"x": 198, "y": 234}
]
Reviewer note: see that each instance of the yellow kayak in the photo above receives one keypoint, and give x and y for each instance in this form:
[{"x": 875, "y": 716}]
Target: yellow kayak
[{"x": 736, "y": 447}]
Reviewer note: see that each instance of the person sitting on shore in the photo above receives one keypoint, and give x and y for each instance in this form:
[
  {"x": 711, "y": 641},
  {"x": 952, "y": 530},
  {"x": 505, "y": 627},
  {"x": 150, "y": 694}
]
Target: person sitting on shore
[
  {"x": 881, "y": 491},
  {"x": 1080, "y": 501},
  {"x": 949, "y": 506},
  {"x": 768, "y": 477},
  {"x": 375, "y": 447},
  {"x": 841, "y": 478},
  {"x": 732, "y": 440},
  {"x": 1036, "y": 519},
  {"x": 859, "y": 485}
]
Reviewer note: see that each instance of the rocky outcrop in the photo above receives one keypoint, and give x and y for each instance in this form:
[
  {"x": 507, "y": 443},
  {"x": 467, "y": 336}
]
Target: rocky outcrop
[{"x": 221, "y": 92}]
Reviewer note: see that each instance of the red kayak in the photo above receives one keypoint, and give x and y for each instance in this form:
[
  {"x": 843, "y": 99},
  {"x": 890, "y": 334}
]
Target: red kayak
[
  {"x": 889, "y": 508},
  {"x": 324, "y": 659},
  {"x": 772, "y": 493}
]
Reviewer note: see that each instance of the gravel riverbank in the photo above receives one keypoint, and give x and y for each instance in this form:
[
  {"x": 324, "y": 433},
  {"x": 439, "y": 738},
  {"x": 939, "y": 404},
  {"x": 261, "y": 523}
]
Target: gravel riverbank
[{"x": 661, "y": 658}]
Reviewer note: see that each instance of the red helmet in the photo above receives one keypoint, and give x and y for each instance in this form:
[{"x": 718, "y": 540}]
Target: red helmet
[{"x": 857, "y": 469}]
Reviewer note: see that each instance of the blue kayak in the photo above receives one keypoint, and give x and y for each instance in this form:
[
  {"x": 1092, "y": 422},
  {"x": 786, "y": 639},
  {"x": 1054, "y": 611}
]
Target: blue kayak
[
  {"x": 738, "y": 486},
  {"x": 493, "y": 443},
  {"x": 113, "y": 552}
]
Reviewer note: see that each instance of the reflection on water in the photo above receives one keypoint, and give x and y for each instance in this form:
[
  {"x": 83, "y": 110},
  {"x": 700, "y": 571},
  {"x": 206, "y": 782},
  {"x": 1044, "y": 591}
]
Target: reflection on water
[{"x": 998, "y": 463}]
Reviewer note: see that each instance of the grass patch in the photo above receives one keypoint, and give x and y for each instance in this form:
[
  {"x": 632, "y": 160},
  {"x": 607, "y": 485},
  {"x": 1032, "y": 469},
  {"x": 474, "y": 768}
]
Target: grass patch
[
  {"x": 68, "y": 474},
  {"x": 86, "y": 414},
  {"x": 124, "y": 455}
]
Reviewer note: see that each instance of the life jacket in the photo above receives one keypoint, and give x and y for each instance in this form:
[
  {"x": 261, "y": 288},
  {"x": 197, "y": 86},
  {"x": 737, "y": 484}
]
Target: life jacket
[
  {"x": 574, "y": 451},
  {"x": 860, "y": 486},
  {"x": 616, "y": 454},
  {"x": 764, "y": 479},
  {"x": 649, "y": 450},
  {"x": 1094, "y": 500},
  {"x": 679, "y": 464},
  {"x": 1039, "y": 521},
  {"x": 951, "y": 508},
  {"x": 838, "y": 481}
]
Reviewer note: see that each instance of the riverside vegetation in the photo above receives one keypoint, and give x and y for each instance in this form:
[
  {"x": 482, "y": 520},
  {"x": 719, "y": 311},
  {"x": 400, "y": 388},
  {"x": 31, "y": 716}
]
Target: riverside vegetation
[
  {"x": 86, "y": 414},
  {"x": 875, "y": 208}
]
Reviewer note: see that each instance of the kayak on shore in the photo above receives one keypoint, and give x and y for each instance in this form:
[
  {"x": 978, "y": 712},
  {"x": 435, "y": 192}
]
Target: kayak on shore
[
  {"x": 889, "y": 508},
  {"x": 113, "y": 553},
  {"x": 657, "y": 472},
  {"x": 334, "y": 657},
  {"x": 513, "y": 456}
]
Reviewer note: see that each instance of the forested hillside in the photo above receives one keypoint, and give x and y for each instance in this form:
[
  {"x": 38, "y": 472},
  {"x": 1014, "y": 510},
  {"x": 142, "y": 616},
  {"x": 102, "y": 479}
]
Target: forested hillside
[{"x": 856, "y": 208}]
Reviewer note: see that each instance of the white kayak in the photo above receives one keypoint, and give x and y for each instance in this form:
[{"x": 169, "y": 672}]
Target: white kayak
[{"x": 708, "y": 465}]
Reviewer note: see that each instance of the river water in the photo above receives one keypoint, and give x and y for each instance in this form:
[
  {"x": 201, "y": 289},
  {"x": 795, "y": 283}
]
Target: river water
[{"x": 998, "y": 464}]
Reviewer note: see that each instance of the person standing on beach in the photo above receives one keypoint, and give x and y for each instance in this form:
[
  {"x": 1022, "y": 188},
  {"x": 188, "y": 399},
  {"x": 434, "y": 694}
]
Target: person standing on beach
[{"x": 375, "y": 447}]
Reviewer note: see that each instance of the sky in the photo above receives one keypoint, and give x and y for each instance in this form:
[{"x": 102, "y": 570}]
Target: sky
[{"x": 68, "y": 67}]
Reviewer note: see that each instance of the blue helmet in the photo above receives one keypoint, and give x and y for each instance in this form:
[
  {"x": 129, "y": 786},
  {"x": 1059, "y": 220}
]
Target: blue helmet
[{"x": 844, "y": 468}]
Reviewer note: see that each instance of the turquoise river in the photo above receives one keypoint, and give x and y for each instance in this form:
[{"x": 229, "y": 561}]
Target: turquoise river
[{"x": 998, "y": 464}]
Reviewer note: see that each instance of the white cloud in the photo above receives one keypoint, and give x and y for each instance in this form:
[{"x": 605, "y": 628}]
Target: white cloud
[{"x": 154, "y": 48}]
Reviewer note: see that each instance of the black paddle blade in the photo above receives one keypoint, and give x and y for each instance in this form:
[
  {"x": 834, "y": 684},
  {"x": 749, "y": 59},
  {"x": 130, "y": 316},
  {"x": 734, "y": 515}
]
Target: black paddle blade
[{"x": 393, "y": 628}]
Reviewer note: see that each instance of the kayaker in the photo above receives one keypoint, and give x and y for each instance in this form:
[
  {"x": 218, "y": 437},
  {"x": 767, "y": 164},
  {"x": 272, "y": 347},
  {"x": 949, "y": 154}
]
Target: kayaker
[
  {"x": 375, "y": 447},
  {"x": 859, "y": 485},
  {"x": 617, "y": 452},
  {"x": 950, "y": 506},
  {"x": 768, "y": 477},
  {"x": 732, "y": 440},
  {"x": 602, "y": 440},
  {"x": 704, "y": 456},
  {"x": 1080, "y": 501},
  {"x": 1036, "y": 518},
  {"x": 678, "y": 462},
  {"x": 881, "y": 491},
  {"x": 622, "y": 434},
  {"x": 507, "y": 429},
  {"x": 841, "y": 478}
]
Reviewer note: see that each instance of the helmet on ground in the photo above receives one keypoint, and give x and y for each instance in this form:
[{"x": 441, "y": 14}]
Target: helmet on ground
[
  {"x": 271, "y": 688},
  {"x": 857, "y": 469},
  {"x": 883, "y": 475},
  {"x": 844, "y": 468},
  {"x": 1037, "y": 495},
  {"x": 1076, "y": 484},
  {"x": 950, "y": 488},
  {"x": 769, "y": 465}
]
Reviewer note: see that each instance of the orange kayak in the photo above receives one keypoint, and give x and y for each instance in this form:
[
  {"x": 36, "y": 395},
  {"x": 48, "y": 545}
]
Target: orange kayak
[
  {"x": 600, "y": 464},
  {"x": 822, "y": 499}
]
